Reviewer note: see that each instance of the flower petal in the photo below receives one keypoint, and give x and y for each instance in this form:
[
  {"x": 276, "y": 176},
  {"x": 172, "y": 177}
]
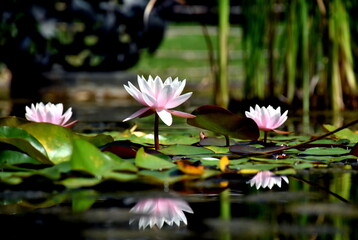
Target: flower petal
[
  {"x": 178, "y": 100},
  {"x": 166, "y": 117},
  {"x": 137, "y": 114},
  {"x": 181, "y": 114}
]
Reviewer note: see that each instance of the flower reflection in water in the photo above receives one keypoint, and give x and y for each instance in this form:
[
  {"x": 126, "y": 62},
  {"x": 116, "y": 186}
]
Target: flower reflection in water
[
  {"x": 267, "y": 179},
  {"x": 157, "y": 211}
]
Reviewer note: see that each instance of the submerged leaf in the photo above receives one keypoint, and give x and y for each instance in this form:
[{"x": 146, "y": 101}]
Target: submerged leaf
[{"x": 222, "y": 121}]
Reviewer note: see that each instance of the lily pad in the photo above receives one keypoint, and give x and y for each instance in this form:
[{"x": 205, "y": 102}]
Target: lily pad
[
  {"x": 25, "y": 142},
  {"x": 185, "y": 150},
  {"x": 151, "y": 161},
  {"x": 222, "y": 121},
  {"x": 57, "y": 140}
]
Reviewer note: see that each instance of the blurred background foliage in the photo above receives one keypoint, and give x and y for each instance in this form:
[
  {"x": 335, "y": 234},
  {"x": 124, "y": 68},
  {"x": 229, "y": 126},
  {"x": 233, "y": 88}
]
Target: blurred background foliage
[{"x": 295, "y": 52}]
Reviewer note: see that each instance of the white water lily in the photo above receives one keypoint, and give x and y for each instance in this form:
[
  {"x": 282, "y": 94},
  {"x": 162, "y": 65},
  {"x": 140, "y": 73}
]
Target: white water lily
[
  {"x": 267, "y": 179},
  {"x": 159, "y": 97},
  {"x": 267, "y": 119},
  {"x": 158, "y": 211},
  {"x": 51, "y": 113}
]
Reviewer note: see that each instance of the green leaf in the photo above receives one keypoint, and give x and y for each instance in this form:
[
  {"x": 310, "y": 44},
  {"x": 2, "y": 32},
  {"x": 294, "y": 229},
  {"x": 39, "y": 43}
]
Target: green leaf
[
  {"x": 150, "y": 161},
  {"x": 97, "y": 140},
  {"x": 25, "y": 142},
  {"x": 12, "y": 158},
  {"x": 80, "y": 182},
  {"x": 222, "y": 121},
  {"x": 343, "y": 134},
  {"x": 57, "y": 140},
  {"x": 87, "y": 157},
  {"x": 184, "y": 150},
  {"x": 325, "y": 151}
]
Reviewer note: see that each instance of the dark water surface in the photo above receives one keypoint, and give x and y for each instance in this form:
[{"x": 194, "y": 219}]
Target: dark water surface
[{"x": 315, "y": 204}]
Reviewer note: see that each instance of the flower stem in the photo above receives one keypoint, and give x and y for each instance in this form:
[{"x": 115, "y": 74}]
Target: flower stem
[
  {"x": 156, "y": 131},
  {"x": 265, "y": 136}
]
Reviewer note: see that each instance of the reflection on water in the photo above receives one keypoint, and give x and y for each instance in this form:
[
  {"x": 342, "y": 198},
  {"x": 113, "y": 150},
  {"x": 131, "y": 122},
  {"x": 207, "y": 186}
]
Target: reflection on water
[
  {"x": 267, "y": 179},
  {"x": 159, "y": 211},
  {"x": 319, "y": 205}
]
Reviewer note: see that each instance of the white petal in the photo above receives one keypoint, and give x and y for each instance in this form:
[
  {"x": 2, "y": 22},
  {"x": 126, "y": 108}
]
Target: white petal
[{"x": 166, "y": 117}]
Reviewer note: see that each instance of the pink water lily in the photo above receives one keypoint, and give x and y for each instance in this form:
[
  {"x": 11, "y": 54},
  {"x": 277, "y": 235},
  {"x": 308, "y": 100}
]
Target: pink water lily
[
  {"x": 267, "y": 179},
  {"x": 159, "y": 97},
  {"x": 158, "y": 211},
  {"x": 51, "y": 113},
  {"x": 267, "y": 119}
]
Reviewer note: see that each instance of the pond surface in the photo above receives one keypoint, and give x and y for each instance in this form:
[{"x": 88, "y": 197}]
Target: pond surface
[{"x": 319, "y": 203}]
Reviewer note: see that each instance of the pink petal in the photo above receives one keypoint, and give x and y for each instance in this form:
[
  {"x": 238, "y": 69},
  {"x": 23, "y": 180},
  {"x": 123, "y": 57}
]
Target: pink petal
[
  {"x": 178, "y": 100},
  {"x": 164, "y": 96},
  {"x": 137, "y": 113},
  {"x": 181, "y": 114}
]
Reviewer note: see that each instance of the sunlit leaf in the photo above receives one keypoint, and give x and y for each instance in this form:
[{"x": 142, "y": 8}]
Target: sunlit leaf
[
  {"x": 224, "y": 163},
  {"x": 151, "y": 161},
  {"x": 222, "y": 121},
  {"x": 343, "y": 134},
  {"x": 189, "y": 168},
  {"x": 57, "y": 140},
  {"x": 87, "y": 157},
  {"x": 25, "y": 142}
]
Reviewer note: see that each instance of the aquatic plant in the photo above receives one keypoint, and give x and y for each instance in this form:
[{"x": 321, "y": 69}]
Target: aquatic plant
[
  {"x": 51, "y": 113},
  {"x": 159, "y": 97},
  {"x": 267, "y": 179},
  {"x": 267, "y": 118},
  {"x": 160, "y": 211}
]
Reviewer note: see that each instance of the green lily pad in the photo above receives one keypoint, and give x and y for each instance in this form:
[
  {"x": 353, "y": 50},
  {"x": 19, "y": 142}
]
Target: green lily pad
[
  {"x": 343, "y": 134},
  {"x": 185, "y": 150},
  {"x": 25, "y": 142},
  {"x": 222, "y": 121},
  {"x": 325, "y": 151},
  {"x": 56, "y": 140},
  {"x": 87, "y": 157},
  {"x": 153, "y": 162},
  {"x": 13, "y": 157}
]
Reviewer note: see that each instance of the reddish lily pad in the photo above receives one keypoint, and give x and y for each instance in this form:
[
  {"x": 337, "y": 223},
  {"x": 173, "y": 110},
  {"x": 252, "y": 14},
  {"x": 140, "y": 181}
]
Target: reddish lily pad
[{"x": 222, "y": 121}]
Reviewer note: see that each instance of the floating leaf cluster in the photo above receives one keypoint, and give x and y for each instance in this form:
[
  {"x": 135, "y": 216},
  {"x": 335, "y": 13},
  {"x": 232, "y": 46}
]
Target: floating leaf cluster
[{"x": 44, "y": 152}]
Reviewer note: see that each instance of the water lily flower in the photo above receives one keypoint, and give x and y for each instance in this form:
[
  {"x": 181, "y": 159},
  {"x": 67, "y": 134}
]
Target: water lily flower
[
  {"x": 159, "y": 97},
  {"x": 158, "y": 211},
  {"x": 267, "y": 179},
  {"x": 51, "y": 113},
  {"x": 267, "y": 119}
]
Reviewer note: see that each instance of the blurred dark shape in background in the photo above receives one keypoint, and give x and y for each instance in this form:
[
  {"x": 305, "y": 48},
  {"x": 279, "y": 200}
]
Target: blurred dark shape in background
[
  {"x": 73, "y": 35},
  {"x": 38, "y": 36}
]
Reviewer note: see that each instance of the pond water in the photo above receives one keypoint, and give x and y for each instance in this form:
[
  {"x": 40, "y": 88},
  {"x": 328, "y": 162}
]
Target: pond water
[{"x": 313, "y": 204}]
